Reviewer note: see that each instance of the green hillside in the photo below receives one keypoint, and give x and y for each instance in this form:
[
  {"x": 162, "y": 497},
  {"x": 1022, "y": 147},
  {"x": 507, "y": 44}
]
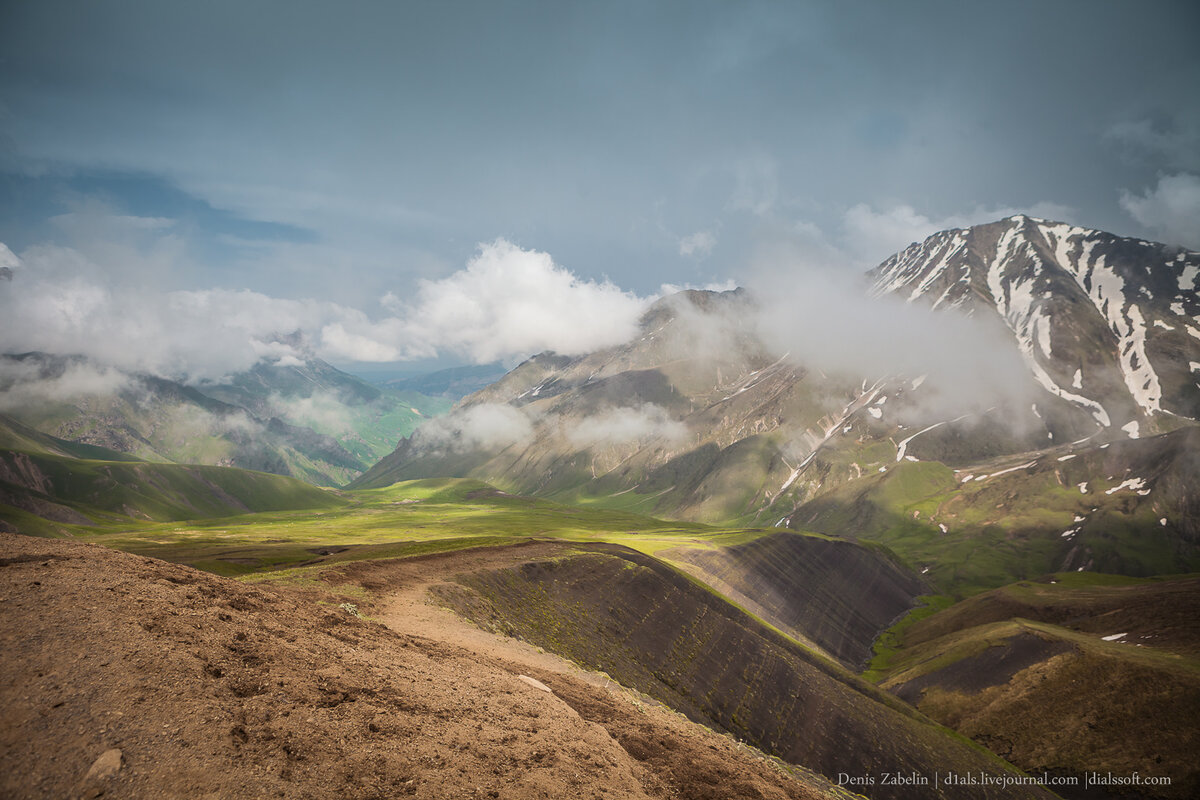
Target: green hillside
[
  {"x": 53, "y": 487},
  {"x": 310, "y": 421}
]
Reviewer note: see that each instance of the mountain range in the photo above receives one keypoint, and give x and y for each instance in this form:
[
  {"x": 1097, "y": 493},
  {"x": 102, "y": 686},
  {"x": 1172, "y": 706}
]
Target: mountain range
[
  {"x": 965, "y": 495},
  {"x": 1087, "y": 458},
  {"x": 306, "y": 419}
]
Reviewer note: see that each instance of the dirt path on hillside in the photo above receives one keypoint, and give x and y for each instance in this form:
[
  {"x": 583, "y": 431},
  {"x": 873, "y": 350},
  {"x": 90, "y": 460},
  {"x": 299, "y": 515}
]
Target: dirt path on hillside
[
  {"x": 681, "y": 758},
  {"x": 409, "y": 608},
  {"x": 183, "y": 684}
]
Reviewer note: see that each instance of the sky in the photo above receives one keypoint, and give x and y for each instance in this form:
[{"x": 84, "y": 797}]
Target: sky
[{"x": 426, "y": 182}]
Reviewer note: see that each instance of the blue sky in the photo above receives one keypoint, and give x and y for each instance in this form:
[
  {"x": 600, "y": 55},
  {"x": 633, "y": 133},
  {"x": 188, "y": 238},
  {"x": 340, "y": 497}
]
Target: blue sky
[{"x": 345, "y": 152}]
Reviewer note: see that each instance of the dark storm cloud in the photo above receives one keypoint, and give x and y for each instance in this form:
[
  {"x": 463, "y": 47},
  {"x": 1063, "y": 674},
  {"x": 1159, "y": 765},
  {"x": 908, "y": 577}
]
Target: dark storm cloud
[{"x": 646, "y": 142}]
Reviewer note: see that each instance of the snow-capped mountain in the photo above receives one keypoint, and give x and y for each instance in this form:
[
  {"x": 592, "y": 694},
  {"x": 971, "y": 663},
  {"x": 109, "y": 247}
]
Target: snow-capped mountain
[
  {"x": 1108, "y": 324},
  {"x": 1089, "y": 464}
]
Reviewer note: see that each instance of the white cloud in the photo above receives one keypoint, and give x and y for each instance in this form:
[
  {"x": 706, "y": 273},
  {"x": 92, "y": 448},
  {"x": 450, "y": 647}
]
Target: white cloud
[
  {"x": 281, "y": 354},
  {"x": 510, "y": 302},
  {"x": 627, "y": 425},
  {"x": 8, "y": 259},
  {"x": 60, "y": 303},
  {"x": 506, "y": 303},
  {"x": 486, "y": 426},
  {"x": 1171, "y": 209},
  {"x": 877, "y": 234},
  {"x": 699, "y": 244},
  {"x": 22, "y": 383},
  {"x": 372, "y": 345}
]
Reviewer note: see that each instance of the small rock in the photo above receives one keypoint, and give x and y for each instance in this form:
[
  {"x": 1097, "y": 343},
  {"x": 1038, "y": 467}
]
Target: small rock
[
  {"x": 535, "y": 683},
  {"x": 102, "y": 769},
  {"x": 106, "y": 766}
]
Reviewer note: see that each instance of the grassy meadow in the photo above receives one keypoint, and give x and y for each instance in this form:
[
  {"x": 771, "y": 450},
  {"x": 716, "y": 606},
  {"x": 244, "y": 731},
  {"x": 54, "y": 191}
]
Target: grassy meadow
[{"x": 406, "y": 519}]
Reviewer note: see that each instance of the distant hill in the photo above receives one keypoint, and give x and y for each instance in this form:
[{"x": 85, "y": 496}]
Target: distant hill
[
  {"x": 1067, "y": 674},
  {"x": 453, "y": 383},
  {"x": 308, "y": 420},
  {"x": 45, "y": 481}
]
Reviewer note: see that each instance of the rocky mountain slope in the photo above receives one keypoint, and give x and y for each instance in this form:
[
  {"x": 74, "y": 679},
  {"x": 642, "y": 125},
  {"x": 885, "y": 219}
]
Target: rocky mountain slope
[
  {"x": 651, "y": 628},
  {"x": 698, "y": 419},
  {"x": 1107, "y": 324},
  {"x": 831, "y": 594}
]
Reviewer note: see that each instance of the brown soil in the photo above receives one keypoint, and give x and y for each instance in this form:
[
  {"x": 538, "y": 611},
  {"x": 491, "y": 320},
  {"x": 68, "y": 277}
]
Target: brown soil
[
  {"x": 211, "y": 688},
  {"x": 652, "y": 628},
  {"x": 994, "y": 666},
  {"x": 838, "y": 595},
  {"x": 1160, "y": 614},
  {"x": 1070, "y": 708}
]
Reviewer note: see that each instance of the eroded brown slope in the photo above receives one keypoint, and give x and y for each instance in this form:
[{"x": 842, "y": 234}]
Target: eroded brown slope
[
  {"x": 836, "y": 594},
  {"x": 214, "y": 689},
  {"x": 1161, "y": 613},
  {"x": 652, "y": 628},
  {"x": 1069, "y": 704}
]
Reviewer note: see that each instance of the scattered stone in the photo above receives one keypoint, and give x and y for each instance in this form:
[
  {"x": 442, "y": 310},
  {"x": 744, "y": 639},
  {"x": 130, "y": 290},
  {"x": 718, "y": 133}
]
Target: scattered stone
[
  {"x": 102, "y": 769},
  {"x": 106, "y": 766},
  {"x": 535, "y": 683}
]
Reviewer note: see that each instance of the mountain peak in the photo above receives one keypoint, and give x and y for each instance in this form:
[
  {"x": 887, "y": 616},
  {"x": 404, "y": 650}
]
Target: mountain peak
[{"x": 1106, "y": 323}]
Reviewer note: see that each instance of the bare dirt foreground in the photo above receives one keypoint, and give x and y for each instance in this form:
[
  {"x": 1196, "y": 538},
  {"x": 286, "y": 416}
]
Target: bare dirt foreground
[{"x": 210, "y": 688}]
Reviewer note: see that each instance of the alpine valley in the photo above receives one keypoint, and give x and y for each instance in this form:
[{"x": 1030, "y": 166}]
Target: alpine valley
[{"x": 701, "y": 563}]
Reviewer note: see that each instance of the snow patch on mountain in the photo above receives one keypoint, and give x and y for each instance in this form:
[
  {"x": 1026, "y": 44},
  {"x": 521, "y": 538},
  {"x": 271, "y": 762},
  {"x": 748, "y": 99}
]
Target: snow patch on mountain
[
  {"x": 1026, "y": 267},
  {"x": 1106, "y": 289},
  {"x": 1187, "y": 278},
  {"x": 1013, "y": 297},
  {"x": 903, "y": 446},
  {"x": 1136, "y": 484}
]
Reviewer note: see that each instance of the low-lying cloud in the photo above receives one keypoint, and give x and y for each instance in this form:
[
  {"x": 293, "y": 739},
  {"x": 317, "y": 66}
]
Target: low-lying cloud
[
  {"x": 824, "y": 319},
  {"x": 486, "y": 426},
  {"x": 25, "y": 384},
  {"x": 324, "y": 412},
  {"x": 628, "y": 425}
]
